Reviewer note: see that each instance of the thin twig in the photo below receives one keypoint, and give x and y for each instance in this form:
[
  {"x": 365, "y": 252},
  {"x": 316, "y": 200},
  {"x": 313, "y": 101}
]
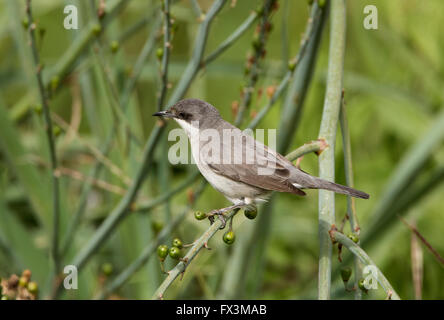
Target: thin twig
[
  {"x": 351, "y": 205},
  {"x": 50, "y": 138},
  {"x": 166, "y": 54},
  {"x": 424, "y": 241}
]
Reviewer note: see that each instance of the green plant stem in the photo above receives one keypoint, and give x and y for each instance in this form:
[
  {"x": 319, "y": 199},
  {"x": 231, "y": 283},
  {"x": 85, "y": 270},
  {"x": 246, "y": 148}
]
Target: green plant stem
[
  {"x": 351, "y": 205},
  {"x": 231, "y": 38},
  {"x": 365, "y": 259},
  {"x": 309, "y": 33},
  {"x": 166, "y": 54},
  {"x": 147, "y": 206},
  {"x": 196, "y": 8},
  {"x": 199, "y": 47},
  {"x": 247, "y": 93},
  {"x": 85, "y": 38},
  {"x": 50, "y": 138},
  {"x": 327, "y": 131}
]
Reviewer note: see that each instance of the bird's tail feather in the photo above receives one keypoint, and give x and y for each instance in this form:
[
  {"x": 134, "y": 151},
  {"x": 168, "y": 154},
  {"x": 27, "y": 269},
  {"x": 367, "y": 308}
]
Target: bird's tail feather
[{"x": 339, "y": 188}]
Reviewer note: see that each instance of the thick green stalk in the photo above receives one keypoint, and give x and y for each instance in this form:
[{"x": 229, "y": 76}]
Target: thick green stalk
[{"x": 327, "y": 131}]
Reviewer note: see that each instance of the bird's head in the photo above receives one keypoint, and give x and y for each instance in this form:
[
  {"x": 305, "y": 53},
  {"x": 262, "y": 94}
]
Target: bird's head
[{"x": 191, "y": 113}]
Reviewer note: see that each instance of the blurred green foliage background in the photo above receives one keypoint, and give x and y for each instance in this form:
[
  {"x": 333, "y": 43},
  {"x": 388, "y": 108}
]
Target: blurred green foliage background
[{"x": 394, "y": 80}]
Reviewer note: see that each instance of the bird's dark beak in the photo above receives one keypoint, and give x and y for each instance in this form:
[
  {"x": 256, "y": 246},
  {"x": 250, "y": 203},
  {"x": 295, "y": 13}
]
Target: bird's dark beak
[{"x": 165, "y": 114}]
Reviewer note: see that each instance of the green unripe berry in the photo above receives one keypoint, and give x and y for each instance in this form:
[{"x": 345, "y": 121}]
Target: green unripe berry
[
  {"x": 162, "y": 251},
  {"x": 107, "y": 269},
  {"x": 250, "y": 213},
  {"x": 291, "y": 66},
  {"x": 114, "y": 45},
  {"x": 55, "y": 81},
  {"x": 199, "y": 215},
  {"x": 33, "y": 287},
  {"x": 56, "y": 131},
  {"x": 174, "y": 252},
  {"x": 25, "y": 23},
  {"x": 97, "y": 28},
  {"x": 38, "y": 109},
  {"x": 346, "y": 274},
  {"x": 353, "y": 237},
  {"x": 23, "y": 282},
  {"x": 177, "y": 243},
  {"x": 156, "y": 226},
  {"x": 5, "y": 297},
  {"x": 256, "y": 44},
  {"x": 361, "y": 285},
  {"x": 159, "y": 53},
  {"x": 321, "y": 3},
  {"x": 229, "y": 237}
]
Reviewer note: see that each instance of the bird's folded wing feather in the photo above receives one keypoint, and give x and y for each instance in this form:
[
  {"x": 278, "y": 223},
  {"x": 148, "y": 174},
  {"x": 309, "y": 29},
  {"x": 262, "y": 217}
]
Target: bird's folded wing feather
[{"x": 267, "y": 169}]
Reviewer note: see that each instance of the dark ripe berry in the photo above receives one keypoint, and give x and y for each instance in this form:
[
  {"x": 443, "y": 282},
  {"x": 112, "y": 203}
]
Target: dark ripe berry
[
  {"x": 229, "y": 237},
  {"x": 346, "y": 274},
  {"x": 177, "y": 243},
  {"x": 174, "y": 252},
  {"x": 199, "y": 215},
  {"x": 107, "y": 269},
  {"x": 250, "y": 213},
  {"x": 162, "y": 251}
]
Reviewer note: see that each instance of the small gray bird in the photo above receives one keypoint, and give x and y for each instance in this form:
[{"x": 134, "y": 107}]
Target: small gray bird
[{"x": 245, "y": 171}]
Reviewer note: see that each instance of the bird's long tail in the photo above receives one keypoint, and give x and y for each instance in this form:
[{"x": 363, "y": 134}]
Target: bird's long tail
[
  {"x": 308, "y": 181},
  {"x": 319, "y": 183}
]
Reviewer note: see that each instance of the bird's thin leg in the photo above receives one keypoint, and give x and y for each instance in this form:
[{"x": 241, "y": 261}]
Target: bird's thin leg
[{"x": 220, "y": 213}]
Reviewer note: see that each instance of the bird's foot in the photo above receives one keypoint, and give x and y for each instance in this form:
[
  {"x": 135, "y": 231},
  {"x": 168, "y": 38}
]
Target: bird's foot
[{"x": 221, "y": 217}]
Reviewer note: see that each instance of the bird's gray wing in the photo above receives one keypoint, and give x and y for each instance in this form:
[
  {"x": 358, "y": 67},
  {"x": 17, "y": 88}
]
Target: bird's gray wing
[{"x": 255, "y": 165}]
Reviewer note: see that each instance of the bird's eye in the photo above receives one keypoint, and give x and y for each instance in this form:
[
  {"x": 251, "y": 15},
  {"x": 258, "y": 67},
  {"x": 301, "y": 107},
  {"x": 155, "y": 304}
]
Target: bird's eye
[{"x": 183, "y": 115}]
